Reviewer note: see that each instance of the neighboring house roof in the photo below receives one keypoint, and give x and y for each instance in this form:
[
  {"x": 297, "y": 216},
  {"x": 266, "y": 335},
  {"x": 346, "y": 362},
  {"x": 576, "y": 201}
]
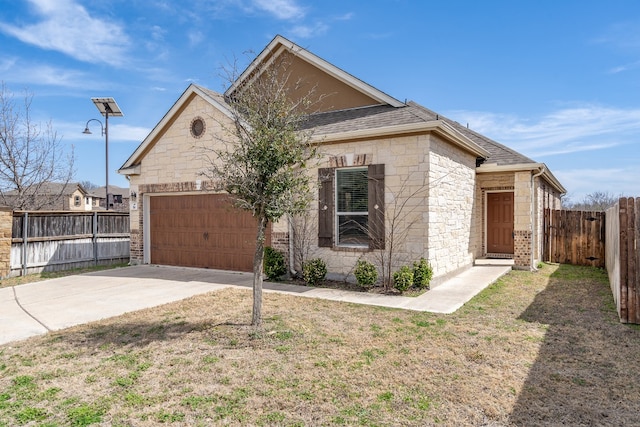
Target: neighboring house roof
[
  {"x": 113, "y": 189},
  {"x": 52, "y": 188}
]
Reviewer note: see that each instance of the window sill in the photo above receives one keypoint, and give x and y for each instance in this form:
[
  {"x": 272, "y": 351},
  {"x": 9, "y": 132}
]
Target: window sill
[{"x": 351, "y": 249}]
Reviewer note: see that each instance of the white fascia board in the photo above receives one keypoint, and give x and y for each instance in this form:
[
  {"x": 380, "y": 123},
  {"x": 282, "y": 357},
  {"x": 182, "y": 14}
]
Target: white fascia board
[
  {"x": 438, "y": 127},
  {"x": 133, "y": 170},
  {"x": 523, "y": 167},
  {"x": 320, "y": 63}
]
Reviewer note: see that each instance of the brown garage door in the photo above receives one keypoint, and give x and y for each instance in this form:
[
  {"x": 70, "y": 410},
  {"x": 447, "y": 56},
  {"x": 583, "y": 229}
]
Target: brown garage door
[{"x": 201, "y": 231}]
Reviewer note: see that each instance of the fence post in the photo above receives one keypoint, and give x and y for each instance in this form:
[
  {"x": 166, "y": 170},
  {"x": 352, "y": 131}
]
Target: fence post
[
  {"x": 624, "y": 318},
  {"x": 94, "y": 238},
  {"x": 25, "y": 236}
]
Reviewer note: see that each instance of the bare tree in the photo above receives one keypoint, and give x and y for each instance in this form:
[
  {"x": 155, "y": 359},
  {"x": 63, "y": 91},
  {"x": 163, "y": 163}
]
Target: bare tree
[
  {"x": 596, "y": 201},
  {"x": 31, "y": 156},
  {"x": 88, "y": 185},
  {"x": 401, "y": 217},
  {"x": 262, "y": 164},
  {"x": 303, "y": 237}
]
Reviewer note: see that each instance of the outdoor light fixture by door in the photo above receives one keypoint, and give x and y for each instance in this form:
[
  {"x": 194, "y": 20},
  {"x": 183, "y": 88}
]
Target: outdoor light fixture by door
[{"x": 107, "y": 107}]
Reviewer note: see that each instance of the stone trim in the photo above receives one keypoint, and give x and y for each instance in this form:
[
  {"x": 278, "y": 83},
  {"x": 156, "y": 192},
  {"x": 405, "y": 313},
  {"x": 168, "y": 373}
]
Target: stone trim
[{"x": 350, "y": 160}]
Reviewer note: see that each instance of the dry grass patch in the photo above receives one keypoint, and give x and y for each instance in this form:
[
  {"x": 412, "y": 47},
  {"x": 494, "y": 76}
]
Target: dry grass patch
[{"x": 533, "y": 349}]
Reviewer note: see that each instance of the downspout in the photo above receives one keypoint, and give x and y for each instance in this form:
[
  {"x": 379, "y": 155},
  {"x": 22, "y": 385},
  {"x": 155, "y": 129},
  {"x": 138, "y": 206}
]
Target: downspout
[{"x": 533, "y": 212}]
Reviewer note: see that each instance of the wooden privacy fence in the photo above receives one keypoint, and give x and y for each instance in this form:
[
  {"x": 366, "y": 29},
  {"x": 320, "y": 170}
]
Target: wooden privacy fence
[
  {"x": 623, "y": 259},
  {"x": 49, "y": 241},
  {"x": 574, "y": 237}
]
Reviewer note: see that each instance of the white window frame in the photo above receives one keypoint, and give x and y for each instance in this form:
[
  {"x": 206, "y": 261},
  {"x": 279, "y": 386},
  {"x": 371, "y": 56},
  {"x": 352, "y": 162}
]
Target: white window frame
[{"x": 338, "y": 214}]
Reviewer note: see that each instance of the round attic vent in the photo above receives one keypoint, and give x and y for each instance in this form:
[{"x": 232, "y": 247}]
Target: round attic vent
[{"x": 197, "y": 127}]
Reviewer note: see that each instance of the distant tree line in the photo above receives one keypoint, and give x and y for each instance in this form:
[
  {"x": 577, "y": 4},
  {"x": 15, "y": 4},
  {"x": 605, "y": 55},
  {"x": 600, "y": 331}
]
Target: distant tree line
[{"x": 596, "y": 201}]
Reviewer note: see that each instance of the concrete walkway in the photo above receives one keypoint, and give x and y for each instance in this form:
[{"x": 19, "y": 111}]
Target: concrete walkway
[{"x": 40, "y": 307}]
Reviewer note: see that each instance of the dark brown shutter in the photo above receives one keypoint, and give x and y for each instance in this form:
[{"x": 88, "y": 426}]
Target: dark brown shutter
[
  {"x": 376, "y": 207},
  {"x": 325, "y": 207}
]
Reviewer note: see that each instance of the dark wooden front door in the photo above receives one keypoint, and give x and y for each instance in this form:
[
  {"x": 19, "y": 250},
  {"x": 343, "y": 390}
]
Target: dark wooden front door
[
  {"x": 500, "y": 223},
  {"x": 201, "y": 231}
]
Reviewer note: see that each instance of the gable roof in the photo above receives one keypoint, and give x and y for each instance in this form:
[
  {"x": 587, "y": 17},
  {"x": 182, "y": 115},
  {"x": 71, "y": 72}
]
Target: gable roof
[
  {"x": 388, "y": 117},
  {"x": 280, "y": 44},
  {"x": 131, "y": 165}
]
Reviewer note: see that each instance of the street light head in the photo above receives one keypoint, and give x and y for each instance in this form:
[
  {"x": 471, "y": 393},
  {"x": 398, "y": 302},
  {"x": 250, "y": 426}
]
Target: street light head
[{"x": 86, "y": 131}]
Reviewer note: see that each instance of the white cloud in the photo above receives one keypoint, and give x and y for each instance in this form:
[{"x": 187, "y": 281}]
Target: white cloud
[
  {"x": 617, "y": 181},
  {"x": 579, "y": 128},
  {"x": 306, "y": 31},
  {"x": 67, "y": 27},
  {"x": 195, "y": 37},
  {"x": 36, "y": 74},
  {"x": 122, "y": 133},
  {"x": 281, "y": 9}
]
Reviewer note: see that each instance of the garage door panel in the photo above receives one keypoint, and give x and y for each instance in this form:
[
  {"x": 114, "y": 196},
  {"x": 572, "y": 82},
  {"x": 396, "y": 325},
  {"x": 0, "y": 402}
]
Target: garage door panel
[{"x": 201, "y": 231}]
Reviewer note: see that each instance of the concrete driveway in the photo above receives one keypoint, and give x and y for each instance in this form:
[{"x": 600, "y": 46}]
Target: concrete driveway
[{"x": 40, "y": 307}]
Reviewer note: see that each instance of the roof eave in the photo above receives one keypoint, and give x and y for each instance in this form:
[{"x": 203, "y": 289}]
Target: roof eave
[
  {"x": 437, "y": 127},
  {"x": 131, "y": 170},
  {"x": 524, "y": 167}
]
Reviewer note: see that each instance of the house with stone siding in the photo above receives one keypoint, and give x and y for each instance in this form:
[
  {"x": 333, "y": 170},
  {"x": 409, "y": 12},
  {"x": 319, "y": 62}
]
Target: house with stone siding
[{"x": 389, "y": 172}]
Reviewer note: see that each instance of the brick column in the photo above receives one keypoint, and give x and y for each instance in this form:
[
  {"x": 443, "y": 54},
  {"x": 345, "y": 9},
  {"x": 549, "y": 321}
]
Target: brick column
[
  {"x": 6, "y": 226},
  {"x": 522, "y": 249},
  {"x": 522, "y": 221}
]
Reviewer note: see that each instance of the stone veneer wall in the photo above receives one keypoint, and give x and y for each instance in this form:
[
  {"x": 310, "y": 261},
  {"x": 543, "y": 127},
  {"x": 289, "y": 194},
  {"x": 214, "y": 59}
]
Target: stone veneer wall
[
  {"x": 438, "y": 216},
  {"x": 6, "y": 230},
  {"x": 453, "y": 238},
  {"x": 448, "y": 237}
]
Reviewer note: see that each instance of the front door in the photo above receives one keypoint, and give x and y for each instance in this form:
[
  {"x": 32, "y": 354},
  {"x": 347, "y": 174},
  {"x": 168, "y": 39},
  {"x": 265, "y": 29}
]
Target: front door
[{"x": 500, "y": 223}]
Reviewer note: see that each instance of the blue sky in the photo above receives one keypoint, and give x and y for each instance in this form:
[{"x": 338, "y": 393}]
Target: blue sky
[{"x": 558, "y": 81}]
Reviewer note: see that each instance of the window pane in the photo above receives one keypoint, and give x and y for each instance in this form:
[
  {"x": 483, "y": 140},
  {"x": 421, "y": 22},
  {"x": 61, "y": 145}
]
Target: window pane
[
  {"x": 352, "y": 230},
  {"x": 352, "y": 188}
]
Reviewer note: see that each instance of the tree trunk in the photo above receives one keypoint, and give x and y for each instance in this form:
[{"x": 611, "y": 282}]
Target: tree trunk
[{"x": 258, "y": 269}]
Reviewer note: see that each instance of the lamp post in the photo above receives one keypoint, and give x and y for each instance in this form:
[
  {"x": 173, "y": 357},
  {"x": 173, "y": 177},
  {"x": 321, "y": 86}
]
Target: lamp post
[{"x": 107, "y": 107}]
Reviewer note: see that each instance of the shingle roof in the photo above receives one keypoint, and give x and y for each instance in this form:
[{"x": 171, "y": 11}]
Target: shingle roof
[
  {"x": 500, "y": 154},
  {"x": 380, "y": 116},
  {"x": 385, "y": 115}
]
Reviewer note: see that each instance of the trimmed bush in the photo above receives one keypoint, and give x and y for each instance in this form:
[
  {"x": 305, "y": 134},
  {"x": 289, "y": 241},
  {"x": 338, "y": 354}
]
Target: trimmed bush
[
  {"x": 274, "y": 266},
  {"x": 314, "y": 271},
  {"x": 403, "y": 278},
  {"x": 366, "y": 274},
  {"x": 422, "y": 274}
]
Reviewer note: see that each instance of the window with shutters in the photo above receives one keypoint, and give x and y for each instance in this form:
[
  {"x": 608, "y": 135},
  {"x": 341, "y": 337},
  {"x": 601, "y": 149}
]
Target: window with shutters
[{"x": 352, "y": 207}]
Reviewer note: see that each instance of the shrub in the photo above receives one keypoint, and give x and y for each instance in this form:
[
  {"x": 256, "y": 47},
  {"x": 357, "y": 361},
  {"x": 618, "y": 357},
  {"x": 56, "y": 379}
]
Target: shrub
[
  {"x": 403, "y": 278},
  {"x": 314, "y": 271},
  {"x": 366, "y": 273},
  {"x": 422, "y": 274},
  {"x": 274, "y": 266}
]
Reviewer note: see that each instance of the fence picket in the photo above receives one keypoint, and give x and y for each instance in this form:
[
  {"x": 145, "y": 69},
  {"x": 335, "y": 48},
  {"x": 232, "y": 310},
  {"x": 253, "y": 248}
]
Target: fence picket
[
  {"x": 575, "y": 237},
  {"x": 48, "y": 240},
  {"x": 632, "y": 306}
]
